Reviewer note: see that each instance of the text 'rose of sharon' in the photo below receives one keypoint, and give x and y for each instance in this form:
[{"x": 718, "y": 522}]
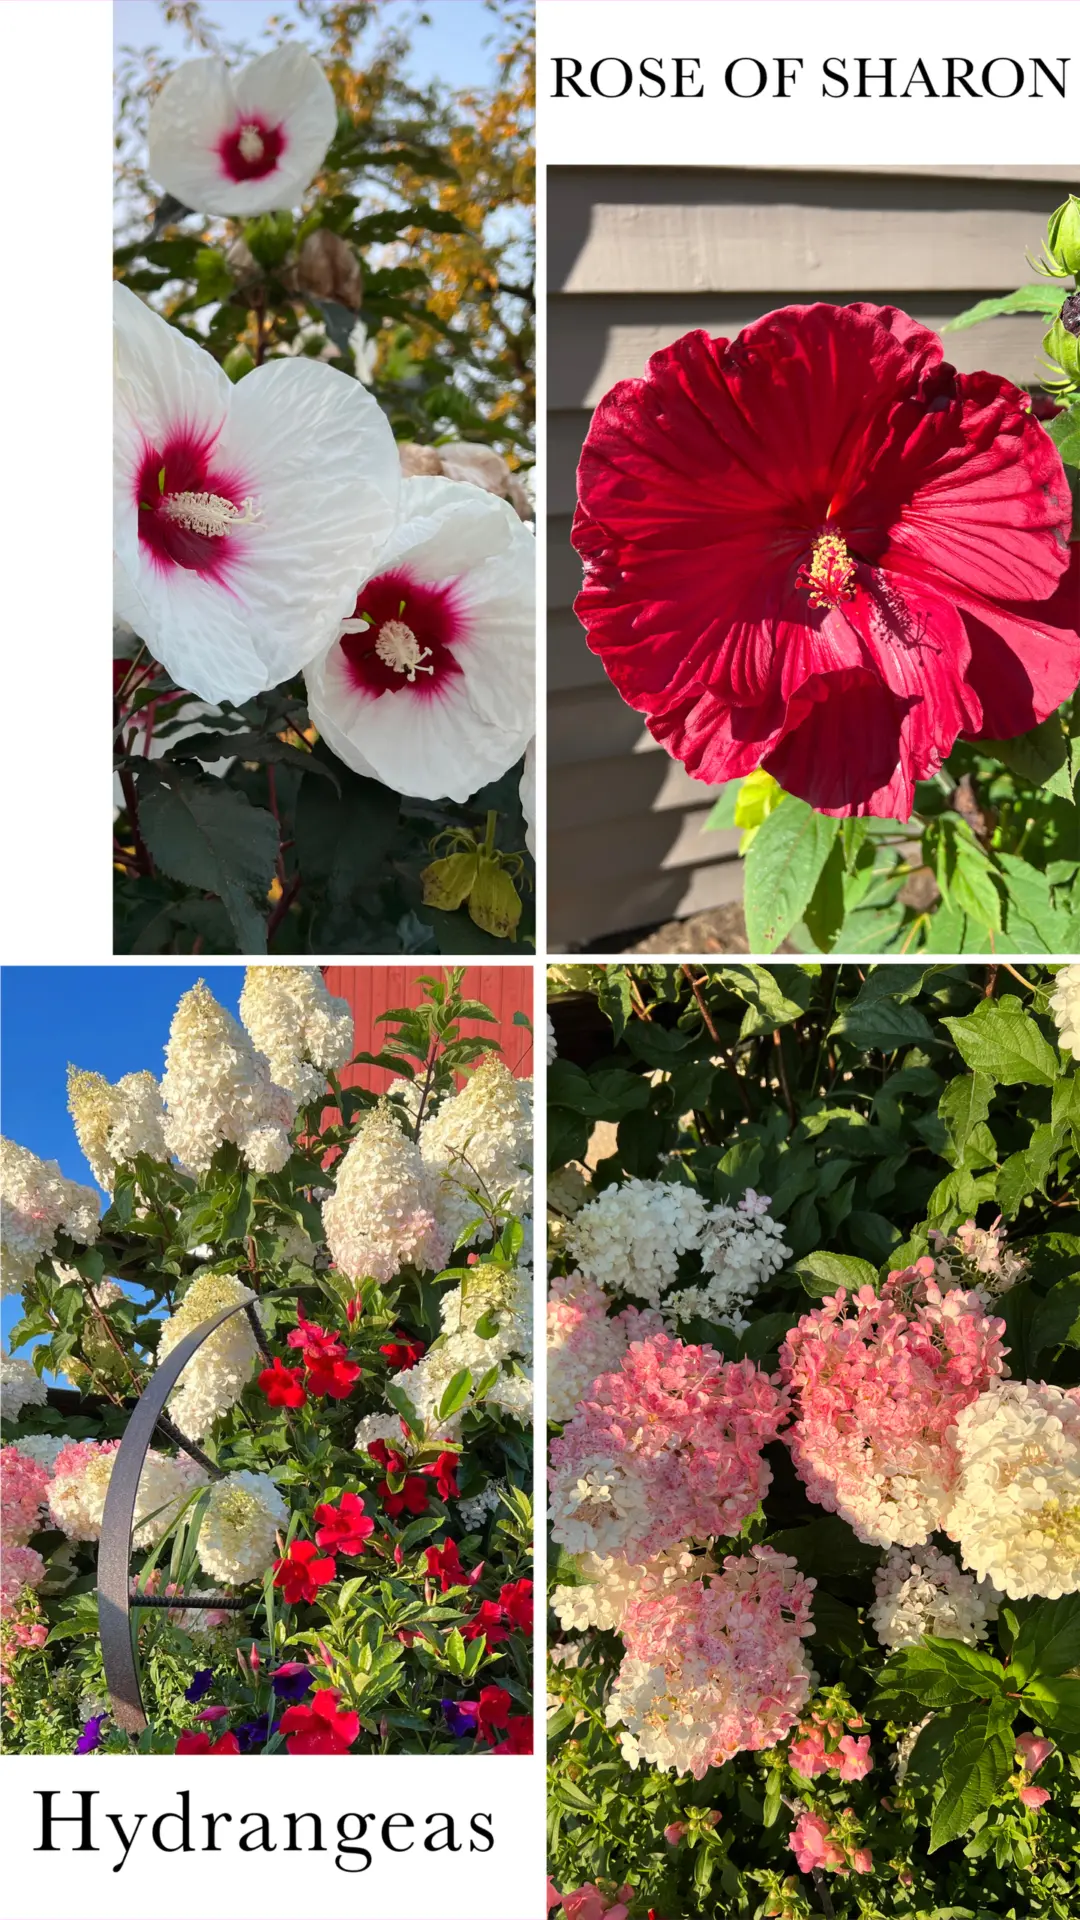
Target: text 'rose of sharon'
[
  {"x": 244, "y": 143},
  {"x": 245, "y": 516},
  {"x": 429, "y": 685},
  {"x": 820, "y": 549}
]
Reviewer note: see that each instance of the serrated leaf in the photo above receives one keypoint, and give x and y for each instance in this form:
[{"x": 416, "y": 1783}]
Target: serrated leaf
[
  {"x": 1064, "y": 431},
  {"x": 1054, "y": 1703},
  {"x": 1001, "y": 1039},
  {"x": 1048, "y": 1641},
  {"x": 1037, "y": 297},
  {"x": 783, "y": 863},
  {"x": 976, "y": 1767},
  {"x": 822, "y": 1273},
  {"x": 1036, "y": 755},
  {"x": 207, "y": 835}
]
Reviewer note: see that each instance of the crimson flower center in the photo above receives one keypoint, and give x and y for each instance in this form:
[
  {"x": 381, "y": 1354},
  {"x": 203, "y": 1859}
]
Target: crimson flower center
[
  {"x": 402, "y": 634},
  {"x": 829, "y": 575},
  {"x": 188, "y": 509},
  {"x": 252, "y": 149}
]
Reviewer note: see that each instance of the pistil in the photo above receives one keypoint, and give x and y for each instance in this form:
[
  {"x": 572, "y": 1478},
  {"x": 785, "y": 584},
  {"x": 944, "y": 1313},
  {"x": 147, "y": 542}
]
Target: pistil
[
  {"x": 830, "y": 575},
  {"x": 208, "y": 513},
  {"x": 251, "y": 143}
]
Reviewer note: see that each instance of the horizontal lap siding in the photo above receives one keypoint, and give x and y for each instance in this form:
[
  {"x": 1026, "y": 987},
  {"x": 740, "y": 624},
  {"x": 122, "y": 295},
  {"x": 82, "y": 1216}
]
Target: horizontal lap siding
[
  {"x": 637, "y": 257},
  {"x": 373, "y": 990}
]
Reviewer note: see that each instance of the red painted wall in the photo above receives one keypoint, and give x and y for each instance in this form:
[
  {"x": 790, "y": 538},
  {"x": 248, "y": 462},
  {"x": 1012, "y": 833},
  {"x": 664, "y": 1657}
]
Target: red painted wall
[{"x": 371, "y": 990}]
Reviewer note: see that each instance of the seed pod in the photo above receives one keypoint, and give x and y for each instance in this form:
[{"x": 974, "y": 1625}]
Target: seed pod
[
  {"x": 494, "y": 903},
  {"x": 449, "y": 881},
  {"x": 327, "y": 267}
]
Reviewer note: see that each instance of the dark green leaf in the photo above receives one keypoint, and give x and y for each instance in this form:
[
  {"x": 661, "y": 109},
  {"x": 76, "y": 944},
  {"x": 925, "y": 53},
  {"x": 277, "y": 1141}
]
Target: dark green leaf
[
  {"x": 976, "y": 1768},
  {"x": 783, "y": 863},
  {"x": 207, "y": 835}
]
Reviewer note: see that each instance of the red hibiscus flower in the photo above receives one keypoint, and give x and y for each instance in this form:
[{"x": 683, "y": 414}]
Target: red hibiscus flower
[
  {"x": 492, "y": 1711},
  {"x": 820, "y": 549},
  {"x": 402, "y": 1353},
  {"x": 320, "y": 1727},
  {"x": 519, "y": 1735},
  {"x": 327, "y": 1374},
  {"x": 516, "y": 1601},
  {"x": 488, "y": 1620},
  {"x": 442, "y": 1471},
  {"x": 344, "y": 1528},
  {"x": 302, "y": 1572},
  {"x": 282, "y": 1385},
  {"x": 192, "y": 1742}
]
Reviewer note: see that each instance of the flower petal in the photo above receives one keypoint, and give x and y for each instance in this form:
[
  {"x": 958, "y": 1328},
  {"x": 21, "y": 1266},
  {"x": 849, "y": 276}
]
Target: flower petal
[{"x": 202, "y": 102}]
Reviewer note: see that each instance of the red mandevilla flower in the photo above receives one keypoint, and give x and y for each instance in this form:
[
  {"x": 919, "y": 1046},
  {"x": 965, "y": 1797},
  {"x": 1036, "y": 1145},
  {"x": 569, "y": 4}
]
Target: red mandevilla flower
[
  {"x": 402, "y": 1353},
  {"x": 312, "y": 1340},
  {"x": 516, "y": 1601},
  {"x": 326, "y": 1374},
  {"x": 519, "y": 1735},
  {"x": 320, "y": 1727},
  {"x": 344, "y": 1528},
  {"x": 192, "y": 1742},
  {"x": 492, "y": 1712},
  {"x": 443, "y": 1471},
  {"x": 821, "y": 550},
  {"x": 302, "y": 1572},
  {"x": 488, "y": 1621},
  {"x": 282, "y": 1385},
  {"x": 412, "y": 1498},
  {"x": 444, "y": 1562}
]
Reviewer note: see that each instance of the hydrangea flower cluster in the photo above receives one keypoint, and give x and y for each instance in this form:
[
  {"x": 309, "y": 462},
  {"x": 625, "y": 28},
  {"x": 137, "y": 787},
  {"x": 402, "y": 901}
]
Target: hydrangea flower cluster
[
  {"x": 37, "y": 1203},
  {"x": 481, "y": 1138},
  {"x": 716, "y": 1667},
  {"x": 80, "y": 1483},
  {"x": 877, "y": 1391},
  {"x": 584, "y": 1340},
  {"x": 221, "y": 1367},
  {"x": 920, "y": 1591},
  {"x": 495, "y": 1296},
  {"x": 304, "y": 1030},
  {"x": 1015, "y": 1509},
  {"x": 608, "y": 1586},
  {"x": 217, "y": 1087},
  {"x": 383, "y": 1213},
  {"x": 1065, "y": 1006},
  {"x": 666, "y": 1449},
  {"x": 632, "y": 1238},
  {"x": 977, "y": 1257},
  {"x": 20, "y": 1386},
  {"x": 23, "y": 1486},
  {"x": 237, "y": 1537},
  {"x": 115, "y": 1123}
]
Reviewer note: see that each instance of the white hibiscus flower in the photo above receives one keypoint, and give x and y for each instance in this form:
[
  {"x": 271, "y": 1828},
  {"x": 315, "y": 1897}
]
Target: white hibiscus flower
[
  {"x": 429, "y": 685},
  {"x": 245, "y": 517},
  {"x": 242, "y": 143}
]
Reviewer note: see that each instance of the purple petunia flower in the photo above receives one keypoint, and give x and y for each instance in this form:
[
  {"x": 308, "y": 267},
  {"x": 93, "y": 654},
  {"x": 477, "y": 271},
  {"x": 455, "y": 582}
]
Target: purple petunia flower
[
  {"x": 201, "y": 1683},
  {"x": 254, "y": 1734},
  {"x": 291, "y": 1680},
  {"x": 89, "y": 1739},
  {"x": 461, "y": 1717}
]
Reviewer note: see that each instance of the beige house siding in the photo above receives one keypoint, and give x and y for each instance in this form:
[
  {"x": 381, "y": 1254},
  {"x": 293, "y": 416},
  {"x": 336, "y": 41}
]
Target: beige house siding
[{"x": 636, "y": 257}]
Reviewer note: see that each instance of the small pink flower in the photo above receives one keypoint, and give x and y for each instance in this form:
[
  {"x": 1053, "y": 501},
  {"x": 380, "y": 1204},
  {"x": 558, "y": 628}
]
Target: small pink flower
[
  {"x": 213, "y": 1713},
  {"x": 1034, "y": 1796},
  {"x": 554, "y": 1897},
  {"x": 855, "y": 1760},
  {"x": 254, "y": 1661},
  {"x": 674, "y": 1833},
  {"x": 1033, "y": 1751},
  {"x": 807, "y": 1755},
  {"x": 862, "y": 1860}
]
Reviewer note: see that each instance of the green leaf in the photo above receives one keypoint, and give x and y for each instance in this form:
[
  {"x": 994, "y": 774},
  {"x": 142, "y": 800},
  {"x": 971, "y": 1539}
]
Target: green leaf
[
  {"x": 823, "y": 1273},
  {"x": 1064, "y": 431},
  {"x": 773, "y": 999},
  {"x": 1048, "y": 1641},
  {"x": 567, "y": 1137},
  {"x": 455, "y": 1393},
  {"x": 1054, "y": 1703},
  {"x": 976, "y": 1768},
  {"x": 261, "y": 747},
  {"x": 1036, "y": 297},
  {"x": 207, "y": 835},
  {"x": 1036, "y": 755},
  {"x": 1001, "y": 1039},
  {"x": 722, "y": 812},
  {"x": 1056, "y": 1321},
  {"x": 826, "y": 1548},
  {"x": 938, "y": 1673},
  {"x": 783, "y": 863},
  {"x": 824, "y": 916},
  {"x": 971, "y": 884},
  {"x": 344, "y": 840},
  {"x": 881, "y": 1020},
  {"x": 963, "y": 1106}
]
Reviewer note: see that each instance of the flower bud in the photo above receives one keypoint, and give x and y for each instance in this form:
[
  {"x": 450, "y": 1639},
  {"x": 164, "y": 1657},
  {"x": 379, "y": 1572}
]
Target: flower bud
[
  {"x": 327, "y": 267},
  {"x": 1063, "y": 235},
  {"x": 450, "y": 881},
  {"x": 269, "y": 238},
  {"x": 1063, "y": 345},
  {"x": 494, "y": 903}
]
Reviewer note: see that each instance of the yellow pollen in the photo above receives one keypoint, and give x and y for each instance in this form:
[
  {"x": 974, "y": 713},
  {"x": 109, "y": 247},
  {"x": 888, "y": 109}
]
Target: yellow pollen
[
  {"x": 208, "y": 513},
  {"x": 251, "y": 143},
  {"x": 398, "y": 647},
  {"x": 830, "y": 576}
]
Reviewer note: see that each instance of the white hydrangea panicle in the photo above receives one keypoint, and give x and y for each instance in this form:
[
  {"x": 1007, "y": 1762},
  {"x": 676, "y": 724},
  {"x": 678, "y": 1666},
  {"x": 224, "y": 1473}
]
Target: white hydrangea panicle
[
  {"x": 304, "y": 1030},
  {"x": 1016, "y": 1506},
  {"x": 80, "y": 1484},
  {"x": 922, "y": 1591},
  {"x": 491, "y": 1293},
  {"x": 20, "y": 1386},
  {"x": 608, "y": 1586},
  {"x": 481, "y": 1138},
  {"x": 552, "y": 1042},
  {"x": 1065, "y": 1006},
  {"x": 630, "y": 1237},
  {"x": 237, "y": 1537},
  {"x": 377, "y": 1426},
  {"x": 567, "y": 1191},
  {"x": 217, "y": 1087},
  {"x": 37, "y": 1203},
  {"x": 741, "y": 1248},
  {"x": 383, "y": 1213},
  {"x": 115, "y": 1123},
  {"x": 221, "y": 1367},
  {"x": 472, "y": 1513}
]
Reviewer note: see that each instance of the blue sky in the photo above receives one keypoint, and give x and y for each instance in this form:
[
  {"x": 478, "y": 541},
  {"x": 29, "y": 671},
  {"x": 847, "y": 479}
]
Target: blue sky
[
  {"x": 450, "y": 48},
  {"x": 111, "y": 1020}
]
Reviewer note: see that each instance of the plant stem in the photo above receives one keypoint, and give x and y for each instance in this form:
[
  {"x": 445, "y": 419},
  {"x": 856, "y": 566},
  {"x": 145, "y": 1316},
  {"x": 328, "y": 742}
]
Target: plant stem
[
  {"x": 288, "y": 895},
  {"x": 131, "y": 801}
]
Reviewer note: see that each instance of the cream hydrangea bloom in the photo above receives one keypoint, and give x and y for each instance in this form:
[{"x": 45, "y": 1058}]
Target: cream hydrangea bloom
[
  {"x": 37, "y": 1203},
  {"x": 115, "y": 1123},
  {"x": 1016, "y": 1506},
  {"x": 482, "y": 1138},
  {"x": 608, "y": 1586},
  {"x": 304, "y": 1030},
  {"x": 491, "y": 1294},
  {"x": 382, "y": 1213},
  {"x": 221, "y": 1367},
  {"x": 80, "y": 1484},
  {"x": 920, "y": 1590},
  {"x": 217, "y": 1087},
  {"x": 20, "y": 1386},
  {"x": 1065, "y": 1002},
  {"x": 237, "y": 1535}
]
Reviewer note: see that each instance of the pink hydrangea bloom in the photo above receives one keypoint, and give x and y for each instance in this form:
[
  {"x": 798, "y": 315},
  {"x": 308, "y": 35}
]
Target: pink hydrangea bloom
[
  {"x": 1033, "y": 1751},
  {"x": 585, "y": 1340},
  {"x": 813, "y": 1845},
  {"x": 877, "y": 1385},
  {"x": 23, "y": 1567},
  {"x": 667, "y": 1448},
  {"x": 23, "y": 1483},
  {"x": 714, "y": 1668}
]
